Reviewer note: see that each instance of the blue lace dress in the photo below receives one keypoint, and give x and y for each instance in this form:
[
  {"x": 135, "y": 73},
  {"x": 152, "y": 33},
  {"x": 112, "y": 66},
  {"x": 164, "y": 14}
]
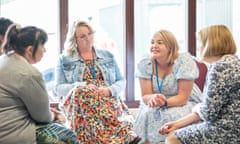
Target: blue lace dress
[
  {"x": 149, "y": 120},
  {"x": 220, "y": 110}
]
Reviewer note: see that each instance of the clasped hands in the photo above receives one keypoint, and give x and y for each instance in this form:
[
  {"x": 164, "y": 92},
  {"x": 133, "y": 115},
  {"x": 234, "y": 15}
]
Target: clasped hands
[
  {"x": 102, "y": 91},
  {"x": 168, "y": 127},
  {"x": 157, "y": 100}
]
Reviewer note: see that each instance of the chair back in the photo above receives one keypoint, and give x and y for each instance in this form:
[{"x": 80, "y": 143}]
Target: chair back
[{"x": 200, "y": 81}]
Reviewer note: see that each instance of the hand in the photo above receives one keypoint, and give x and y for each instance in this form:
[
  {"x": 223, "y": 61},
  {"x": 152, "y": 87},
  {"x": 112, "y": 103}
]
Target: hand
[
  {"x": 104, "y": 92},
  {"x": 167, "y": 128},
  {"x": 58, "y": 116},
  {"x": 157, "y": 100},
  {"x": 92, "y": 86}
]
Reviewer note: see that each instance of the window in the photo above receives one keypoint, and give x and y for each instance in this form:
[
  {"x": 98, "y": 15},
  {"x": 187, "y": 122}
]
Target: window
[
  {"x": 123, "y": 26},
  {"x": 225, "y": 12},
  {"x": 43, "y": 14}
]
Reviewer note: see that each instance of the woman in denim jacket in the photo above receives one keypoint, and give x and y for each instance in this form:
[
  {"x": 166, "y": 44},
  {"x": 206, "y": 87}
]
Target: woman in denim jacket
[
  {"x": 70, "y": 72},
  {"x": 89, "y": 82}
]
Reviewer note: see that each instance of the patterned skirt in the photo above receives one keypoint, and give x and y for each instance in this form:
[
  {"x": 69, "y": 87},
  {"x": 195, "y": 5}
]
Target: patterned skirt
[{"x": 98, "y": 120}]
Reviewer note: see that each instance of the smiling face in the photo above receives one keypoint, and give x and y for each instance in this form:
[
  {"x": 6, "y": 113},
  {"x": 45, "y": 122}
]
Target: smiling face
[{"x": 159, "y": 49}]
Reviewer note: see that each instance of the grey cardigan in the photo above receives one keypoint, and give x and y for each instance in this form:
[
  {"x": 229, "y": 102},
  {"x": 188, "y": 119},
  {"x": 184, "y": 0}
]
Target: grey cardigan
[{"x": 23, "y": 101}]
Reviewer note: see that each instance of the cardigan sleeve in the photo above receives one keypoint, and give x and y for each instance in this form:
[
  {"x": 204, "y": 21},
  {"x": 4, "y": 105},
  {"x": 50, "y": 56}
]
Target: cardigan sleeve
[{"x": 35, "y": 97}]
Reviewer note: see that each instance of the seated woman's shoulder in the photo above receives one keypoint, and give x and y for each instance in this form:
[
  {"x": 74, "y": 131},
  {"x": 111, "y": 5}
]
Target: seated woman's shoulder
[
  {"x": 145, "y": 60},
  {"x": 144, "y": 66},
  {"x": 185, "y": 58},
  {"x": 104, "y": 52},
  {"x": 185, "y": 55}
]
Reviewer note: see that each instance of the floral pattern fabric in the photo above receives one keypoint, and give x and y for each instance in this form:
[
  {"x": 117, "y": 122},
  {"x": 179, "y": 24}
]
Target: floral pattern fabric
[
  {"x": 96, "y": 119},
  {"x": 220, "y": 109},
  {"x": 149, "y": 120}
]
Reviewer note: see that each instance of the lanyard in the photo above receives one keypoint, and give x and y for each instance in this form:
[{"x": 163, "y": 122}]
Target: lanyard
[
  {"x": 92, "y": 68},
  {"x": 165, "y": 73},
  {"x": 157, "y": 112}
]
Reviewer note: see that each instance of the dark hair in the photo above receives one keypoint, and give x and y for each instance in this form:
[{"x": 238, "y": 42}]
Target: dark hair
[
  {"x": 18, "y": 39},
  {"x": 4, "y": 23}
]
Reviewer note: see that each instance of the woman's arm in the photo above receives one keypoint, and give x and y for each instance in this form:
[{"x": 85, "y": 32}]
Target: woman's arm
[
  {"x": 216, "y": 93},
  {"x": 185, "y": 71},
  {"x": 35, "y": 97},
  {"x": 62, "y": 86},
  {"x": 146, "y": 89},
  {"x": 185, "y": 121},
  {"x": 119, "y": 84},
  {"x": 184, "y": 90}
]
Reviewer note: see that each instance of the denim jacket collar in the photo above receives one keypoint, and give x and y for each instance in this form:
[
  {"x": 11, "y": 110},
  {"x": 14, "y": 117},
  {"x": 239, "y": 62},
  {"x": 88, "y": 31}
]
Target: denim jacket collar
[{"x": 77, "y": 57}]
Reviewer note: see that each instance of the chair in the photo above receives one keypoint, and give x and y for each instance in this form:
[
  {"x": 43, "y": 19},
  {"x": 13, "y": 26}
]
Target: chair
[{"x": 202, "y": 74}]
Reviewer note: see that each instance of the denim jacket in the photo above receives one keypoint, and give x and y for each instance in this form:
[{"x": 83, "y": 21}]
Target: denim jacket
[{"x": 70, "y": 69}]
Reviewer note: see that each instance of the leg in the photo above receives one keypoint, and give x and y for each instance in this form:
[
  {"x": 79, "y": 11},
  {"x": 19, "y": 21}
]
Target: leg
[
  {"x": 54, "y": 133},
  {"x": 95, "y": 118},
  {"x": 172, "y": 139}
]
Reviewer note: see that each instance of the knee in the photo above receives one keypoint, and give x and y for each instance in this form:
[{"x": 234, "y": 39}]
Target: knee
[{"x": 172, "y": 139}]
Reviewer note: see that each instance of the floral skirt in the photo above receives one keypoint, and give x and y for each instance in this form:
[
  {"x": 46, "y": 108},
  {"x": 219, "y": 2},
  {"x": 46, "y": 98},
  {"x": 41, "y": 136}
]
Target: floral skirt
[
  {"x": 55, "y": 133},
  {"x": 98, "y": 120}
]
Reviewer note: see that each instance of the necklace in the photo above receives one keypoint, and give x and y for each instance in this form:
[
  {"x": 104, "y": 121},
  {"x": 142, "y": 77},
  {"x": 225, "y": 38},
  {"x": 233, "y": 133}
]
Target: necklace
[
  {"x": 157, "y": 79},
  {"x": 157, "y": 113},
  {"x": 91, "y": 67}
]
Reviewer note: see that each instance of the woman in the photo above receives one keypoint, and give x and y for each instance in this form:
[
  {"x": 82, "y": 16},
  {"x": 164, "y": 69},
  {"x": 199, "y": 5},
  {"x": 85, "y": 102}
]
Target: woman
[
  {"x": 25, "y": 116},
  {"x": 90, "y": 83},
  {"x": 167, "y": 86},
  {"x": 217, "y": 119}
]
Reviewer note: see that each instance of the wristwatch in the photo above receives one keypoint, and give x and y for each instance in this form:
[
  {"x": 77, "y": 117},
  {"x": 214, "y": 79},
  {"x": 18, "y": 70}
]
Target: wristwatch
[{"x": 165, "y": 104}]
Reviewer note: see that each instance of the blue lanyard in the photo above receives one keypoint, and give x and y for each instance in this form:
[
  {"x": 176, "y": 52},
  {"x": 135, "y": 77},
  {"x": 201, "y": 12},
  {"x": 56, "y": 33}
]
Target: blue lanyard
[
  {"x": 160, "y": 84},
  {"x": 157, "y": 112},
  {"x": 92, "y": 68}
]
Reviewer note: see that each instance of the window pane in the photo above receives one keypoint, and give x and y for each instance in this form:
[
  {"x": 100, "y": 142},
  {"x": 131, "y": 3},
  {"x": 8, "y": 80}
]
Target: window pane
[
  {"x": 43, "y": 14},
  {"x": 153, "y": 15},
  {"x": 225, "y": 12}
]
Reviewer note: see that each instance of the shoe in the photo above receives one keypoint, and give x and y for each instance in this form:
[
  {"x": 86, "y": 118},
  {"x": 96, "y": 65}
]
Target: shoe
[{"x": 135, "y": 140}]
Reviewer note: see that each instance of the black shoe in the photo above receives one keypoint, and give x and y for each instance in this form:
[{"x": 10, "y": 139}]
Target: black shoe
[{"x": 135, "y": 141}]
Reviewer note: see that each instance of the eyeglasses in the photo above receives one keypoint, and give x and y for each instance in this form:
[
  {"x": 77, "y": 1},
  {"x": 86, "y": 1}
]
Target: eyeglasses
[{"x": 85, "y": 36}]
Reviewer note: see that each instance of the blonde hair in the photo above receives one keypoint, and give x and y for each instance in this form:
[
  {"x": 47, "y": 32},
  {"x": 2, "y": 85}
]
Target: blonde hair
[
  {"x": 70, "y": 43},
  {"x": 217, "y": 40},
  {"x": 171, "y": 42}
]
